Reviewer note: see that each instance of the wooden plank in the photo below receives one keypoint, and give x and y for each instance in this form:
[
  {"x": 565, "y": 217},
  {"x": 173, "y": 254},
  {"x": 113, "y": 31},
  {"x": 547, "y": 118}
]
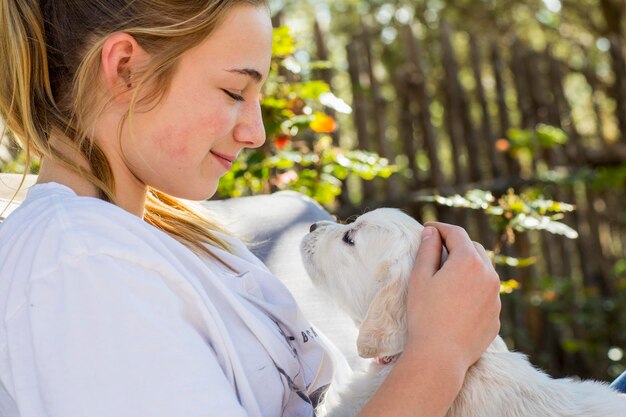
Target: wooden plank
[
  {"x": 497, "y": 64},
  {"x": 451, "y": 110},
  {"x": 460, "y": 126},
  {"x": 360, "y": 111},
  {"x": 618, "y": 90},
  {"x": 419, "y": 91},
  {"x": 494, "y": 160},
  {"x": 379, "y": 110},
  {"x": 405, "y": 124}
]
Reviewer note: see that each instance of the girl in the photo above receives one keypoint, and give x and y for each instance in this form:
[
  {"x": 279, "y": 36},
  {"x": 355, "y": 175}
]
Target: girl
[{"x": 116, "y": 298}]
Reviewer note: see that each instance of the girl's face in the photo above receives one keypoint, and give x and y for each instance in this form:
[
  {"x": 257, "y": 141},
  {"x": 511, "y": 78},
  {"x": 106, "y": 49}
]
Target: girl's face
[{"x": 210, "y": 112}]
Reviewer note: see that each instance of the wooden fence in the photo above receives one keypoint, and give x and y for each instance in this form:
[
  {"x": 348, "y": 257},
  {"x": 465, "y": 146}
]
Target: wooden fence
[{"x": 570, "y": 310}]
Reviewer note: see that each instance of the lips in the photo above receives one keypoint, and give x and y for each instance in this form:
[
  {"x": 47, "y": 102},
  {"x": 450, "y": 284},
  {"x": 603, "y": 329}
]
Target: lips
[{"x": 225, "y": 160}]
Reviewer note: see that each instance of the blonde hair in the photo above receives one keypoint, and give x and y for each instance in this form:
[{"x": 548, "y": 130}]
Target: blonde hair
[{"x": 49, "y": 67}]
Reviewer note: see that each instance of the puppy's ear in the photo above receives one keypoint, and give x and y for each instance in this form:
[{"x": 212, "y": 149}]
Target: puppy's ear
[{"x": 383, "y": 331}]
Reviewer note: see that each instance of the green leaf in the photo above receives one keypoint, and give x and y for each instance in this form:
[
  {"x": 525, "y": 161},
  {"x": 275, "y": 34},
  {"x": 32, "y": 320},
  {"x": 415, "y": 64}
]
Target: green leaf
[
  {"x": 274, "y": 102},
  {"x": 255, "y": 158},
  {"x": 480, "y": 197},
  {"x": 514, "y": 262},
  {"x": 520, "y": 138},
  {"x": 550, "y": 136},
  {"x": 311, "y": 89},
  {"x": 507, "y": 287},
  {"x": 523, "y": 222},
  {"x": 544, "y": 206},
  {"x": 282, "y": 42}
]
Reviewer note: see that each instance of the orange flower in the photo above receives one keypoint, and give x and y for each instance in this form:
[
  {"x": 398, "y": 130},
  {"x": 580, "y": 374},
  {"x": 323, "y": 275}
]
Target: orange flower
[
  {"x": 503, "y": 145},
  {"x": 323, "y": 123},
  {"x": 281, "y": 141}
]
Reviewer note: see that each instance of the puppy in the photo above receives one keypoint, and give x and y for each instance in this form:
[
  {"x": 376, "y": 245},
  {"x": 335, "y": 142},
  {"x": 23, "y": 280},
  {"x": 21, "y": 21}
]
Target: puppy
[{"x": 365, "y": 267}]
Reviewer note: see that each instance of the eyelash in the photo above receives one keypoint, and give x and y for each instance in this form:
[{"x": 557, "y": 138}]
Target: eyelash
[
  {"x": 234, "y": 96},
  {"x": 347, "y": 239}
]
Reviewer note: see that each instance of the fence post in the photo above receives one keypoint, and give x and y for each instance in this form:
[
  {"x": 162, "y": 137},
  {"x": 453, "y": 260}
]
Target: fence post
[
  {"x": 359, "y": 110},
  {"x": 511, "y": 164},
  {"x": 379, "y": 106},
  {"x": 494, "y": 160},
  {"x": 419, "y": 91}
]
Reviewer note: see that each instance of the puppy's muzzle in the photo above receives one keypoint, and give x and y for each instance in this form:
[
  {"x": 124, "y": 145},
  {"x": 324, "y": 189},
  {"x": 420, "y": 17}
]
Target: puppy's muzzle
[{"x": 319, "y": 225}]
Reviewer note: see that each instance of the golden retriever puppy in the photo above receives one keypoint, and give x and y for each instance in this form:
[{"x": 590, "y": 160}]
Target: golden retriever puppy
[{"x": 365, "y": 266}]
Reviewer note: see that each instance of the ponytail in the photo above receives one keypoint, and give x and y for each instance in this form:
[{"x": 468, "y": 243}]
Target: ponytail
[
  {"x": 24, "y": 84},
  {"x": 27, "y": 104}
]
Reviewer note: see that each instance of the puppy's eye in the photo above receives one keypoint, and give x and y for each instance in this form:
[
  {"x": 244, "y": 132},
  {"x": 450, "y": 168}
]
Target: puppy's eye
[{"x": 347, "y": 239}]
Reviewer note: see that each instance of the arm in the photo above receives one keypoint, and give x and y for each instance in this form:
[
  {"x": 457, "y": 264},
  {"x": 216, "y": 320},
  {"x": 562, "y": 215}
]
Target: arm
[
  {"x": 452, "y": 314},
  {"x": 100, "y": 336}
]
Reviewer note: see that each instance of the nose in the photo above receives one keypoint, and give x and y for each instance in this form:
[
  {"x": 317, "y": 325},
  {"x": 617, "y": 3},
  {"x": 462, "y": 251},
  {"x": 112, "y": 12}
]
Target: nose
[
  {"x": 320, "y": 224},
  {"x": 250, "y": 130}
]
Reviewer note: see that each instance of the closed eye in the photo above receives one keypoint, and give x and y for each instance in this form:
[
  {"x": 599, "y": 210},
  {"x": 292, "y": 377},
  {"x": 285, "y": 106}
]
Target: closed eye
[
  {"x": 234, "y": 96},
  {"x": 347, "y": 239}
]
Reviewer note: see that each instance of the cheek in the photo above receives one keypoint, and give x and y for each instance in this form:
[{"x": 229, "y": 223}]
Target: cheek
[
  {"x": 191, "y": 133},
  {"x": 167, "y": 142}
]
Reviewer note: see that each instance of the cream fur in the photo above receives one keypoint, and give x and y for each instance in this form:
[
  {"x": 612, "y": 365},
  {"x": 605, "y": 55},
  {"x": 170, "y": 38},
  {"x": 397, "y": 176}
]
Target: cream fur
[{"x": 368, "y": 280}]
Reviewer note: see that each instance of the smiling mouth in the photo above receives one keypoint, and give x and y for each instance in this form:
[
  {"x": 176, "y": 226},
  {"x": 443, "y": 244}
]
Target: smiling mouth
[{"x": 225, "y": 160}]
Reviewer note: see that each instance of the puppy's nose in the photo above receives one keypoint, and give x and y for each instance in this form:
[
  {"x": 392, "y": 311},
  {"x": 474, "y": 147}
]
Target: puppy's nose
[{"x": 313, "y": 227}]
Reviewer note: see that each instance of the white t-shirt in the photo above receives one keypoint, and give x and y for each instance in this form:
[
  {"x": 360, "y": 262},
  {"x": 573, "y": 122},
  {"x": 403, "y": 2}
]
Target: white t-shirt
[{"x": 105, "y": 315}]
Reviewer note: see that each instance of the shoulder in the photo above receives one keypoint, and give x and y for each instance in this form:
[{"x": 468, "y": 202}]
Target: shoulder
[
  {"x": 54, "y": 219},
  {"x": 57, "y": 243},
  {"x": 54, "y": 227}
]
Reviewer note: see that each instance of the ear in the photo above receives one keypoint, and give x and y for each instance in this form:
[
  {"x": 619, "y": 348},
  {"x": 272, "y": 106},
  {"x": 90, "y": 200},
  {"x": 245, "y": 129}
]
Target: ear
[
  {"x": 383, "y": 331},
  {"x": 122, "y": 60}
]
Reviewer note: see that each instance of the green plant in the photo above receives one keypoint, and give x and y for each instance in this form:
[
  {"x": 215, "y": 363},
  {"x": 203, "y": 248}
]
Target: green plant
[
  {"x": 299, "y": 154},
  {"x": 526, "y": 144},
  {"x": 543, "y": 136},
  {"x": 513, "y": 213},
  {"x": 18, "y": 165}
]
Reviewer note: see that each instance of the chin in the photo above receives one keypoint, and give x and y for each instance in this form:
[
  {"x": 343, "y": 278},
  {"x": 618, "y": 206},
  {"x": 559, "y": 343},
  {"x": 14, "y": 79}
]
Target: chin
[
  {"x": 201, "y": 193},
  {"x": 195, "y": 192}
]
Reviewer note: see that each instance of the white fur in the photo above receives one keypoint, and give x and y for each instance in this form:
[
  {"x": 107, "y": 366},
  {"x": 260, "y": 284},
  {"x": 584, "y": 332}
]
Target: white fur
[{"x": 368, "y": 280}]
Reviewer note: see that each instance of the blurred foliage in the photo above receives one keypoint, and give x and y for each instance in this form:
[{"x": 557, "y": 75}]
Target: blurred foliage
[
  {"x": 542, "y": 137},
  {"x": 18, "y": 165},
  {"x": 300, "y": 153},
  {"x": 599, "y": 179},
  {"x": 588, "y": 322},
  {"x": 317, "y": 172},
  {"x": 513, "y": 213}
]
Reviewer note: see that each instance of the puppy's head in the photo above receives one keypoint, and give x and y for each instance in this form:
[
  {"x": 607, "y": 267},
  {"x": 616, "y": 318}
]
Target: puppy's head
[{"x": 364, "y": 266}]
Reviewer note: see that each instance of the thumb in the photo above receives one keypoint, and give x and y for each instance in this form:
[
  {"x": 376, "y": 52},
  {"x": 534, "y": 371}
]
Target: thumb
[{"x": 429, "y": 257}]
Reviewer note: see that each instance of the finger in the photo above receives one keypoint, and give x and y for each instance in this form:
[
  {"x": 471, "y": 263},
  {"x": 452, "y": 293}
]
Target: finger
[
  {"x": 453, "y": 237},
  {"x": 483, "y": 253},
  {"x": 428, "y": 257},
  {"x": 444, "y": 256}
]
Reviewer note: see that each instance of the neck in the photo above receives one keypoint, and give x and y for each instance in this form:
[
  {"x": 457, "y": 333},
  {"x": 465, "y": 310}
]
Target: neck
[
  {"x": 131, "y": 199},
  {"x": 52, "y": 171}
]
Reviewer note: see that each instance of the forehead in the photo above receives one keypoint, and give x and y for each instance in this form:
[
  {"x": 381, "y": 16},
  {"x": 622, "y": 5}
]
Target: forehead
[
  {"x": 242, "y": 40},
  {"x": 379, "y": 217}
]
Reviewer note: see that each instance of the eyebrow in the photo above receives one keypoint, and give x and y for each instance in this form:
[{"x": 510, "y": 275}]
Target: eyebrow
[{"x": 250, "y": 72}]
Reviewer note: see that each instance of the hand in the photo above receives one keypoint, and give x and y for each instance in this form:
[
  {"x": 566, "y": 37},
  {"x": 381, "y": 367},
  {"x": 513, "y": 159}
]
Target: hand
[{"x": 452, "y": 312}]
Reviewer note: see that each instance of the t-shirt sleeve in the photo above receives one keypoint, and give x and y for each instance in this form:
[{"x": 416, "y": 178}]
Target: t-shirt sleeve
[{"x": 99, "y": 337}]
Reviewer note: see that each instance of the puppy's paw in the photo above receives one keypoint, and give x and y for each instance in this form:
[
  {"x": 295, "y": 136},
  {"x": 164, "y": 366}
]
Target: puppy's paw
[
  {"x": 378, "y": 344},
  {"x": 367, "y": 347}
]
